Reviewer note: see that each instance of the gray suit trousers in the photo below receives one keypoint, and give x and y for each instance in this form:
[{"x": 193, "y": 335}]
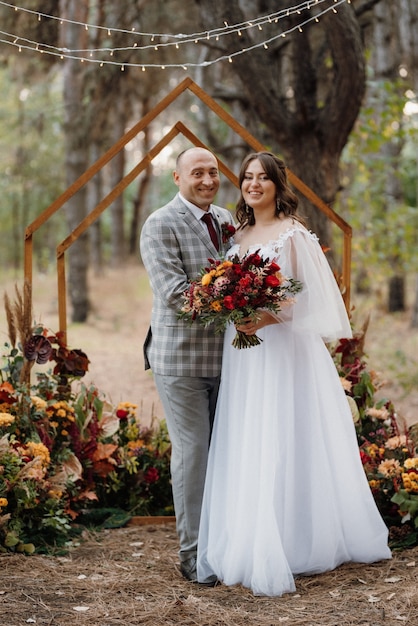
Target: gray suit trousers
[{"x": 189, "y": 406}]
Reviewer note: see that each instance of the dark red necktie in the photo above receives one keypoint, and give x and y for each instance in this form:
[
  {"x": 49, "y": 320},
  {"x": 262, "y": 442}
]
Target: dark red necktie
[{"x": 207, "y": 218}]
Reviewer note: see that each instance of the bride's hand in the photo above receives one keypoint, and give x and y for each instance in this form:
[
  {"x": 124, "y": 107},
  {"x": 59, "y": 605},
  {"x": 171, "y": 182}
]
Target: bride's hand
[{"x": 249, "y": 326}]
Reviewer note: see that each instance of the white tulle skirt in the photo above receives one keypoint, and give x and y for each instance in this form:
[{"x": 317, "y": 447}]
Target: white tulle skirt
[{"x": 285, "y": 493}]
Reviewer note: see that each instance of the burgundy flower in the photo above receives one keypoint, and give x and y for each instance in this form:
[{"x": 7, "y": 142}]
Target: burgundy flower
[
  {"x": 70, "y": 362},
  {"x": 151, "y": 475},
  {"x": 228, "y": 231},
  {"x": 38, "y": 348}
]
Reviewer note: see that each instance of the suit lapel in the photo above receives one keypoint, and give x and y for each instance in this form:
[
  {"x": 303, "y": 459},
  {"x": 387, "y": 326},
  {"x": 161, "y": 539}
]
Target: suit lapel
[{"x": 198, "y": 227}]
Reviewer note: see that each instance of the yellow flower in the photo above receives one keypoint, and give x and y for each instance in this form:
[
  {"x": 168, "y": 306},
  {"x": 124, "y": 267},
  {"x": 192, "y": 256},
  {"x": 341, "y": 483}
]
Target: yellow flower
[
  {"x": 56, "y": 494},
  {"x": 125, "y": 410},
  {"x": 127, "y": 406},
  {"x": 3, "y": 502},
  {"x": 39, "y": 450},
  {"x": 207, "y": 278},
  {"x": 411, "y": 463},
  {"x": 410, "y": 482},
  {"x": 61, "y": 413},
  {"x": 374, "y": 484},
  {"x": 6, "y": 419},
  {"x": 38, "y": 403},
  {"x": 372, "y": 450},
  {"x": 216, "y": 305}
]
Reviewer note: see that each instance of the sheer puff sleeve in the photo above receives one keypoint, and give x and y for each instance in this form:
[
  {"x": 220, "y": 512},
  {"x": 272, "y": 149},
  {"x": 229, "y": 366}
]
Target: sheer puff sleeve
[{"x": 319, "y": 307}]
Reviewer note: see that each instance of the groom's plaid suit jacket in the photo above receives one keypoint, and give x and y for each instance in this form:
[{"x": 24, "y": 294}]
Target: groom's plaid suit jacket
[{"x": 174, "y": 247}]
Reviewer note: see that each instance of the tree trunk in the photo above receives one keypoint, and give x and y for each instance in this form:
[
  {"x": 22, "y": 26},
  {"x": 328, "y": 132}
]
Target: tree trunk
[
  {"x": 138, "y": 217},
  {"x": 396, "y": 301},
  {"x": 94, "y": 195},
  {"x": 386, "y": 59},
  {"x": 414, "y": 319},
  {"x": 76, "y": 143},
  {"x": 117, "y": 168},
  {"x": 309, "y": 91}
]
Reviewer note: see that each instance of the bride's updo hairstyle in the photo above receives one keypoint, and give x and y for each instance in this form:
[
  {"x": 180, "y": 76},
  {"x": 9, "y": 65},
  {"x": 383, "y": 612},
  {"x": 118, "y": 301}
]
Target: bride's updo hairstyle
[{"x": 275, "y": 169}]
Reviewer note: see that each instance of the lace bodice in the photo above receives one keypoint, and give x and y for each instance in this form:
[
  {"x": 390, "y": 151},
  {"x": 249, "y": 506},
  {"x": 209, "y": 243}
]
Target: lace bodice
[{"x": 271, "y": 248}]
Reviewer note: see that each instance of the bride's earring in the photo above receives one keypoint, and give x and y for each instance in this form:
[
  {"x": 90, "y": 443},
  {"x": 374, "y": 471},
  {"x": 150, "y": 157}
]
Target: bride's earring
[
  {"x": 247, "y": 209},
  {"x": 278, "y": 207}
]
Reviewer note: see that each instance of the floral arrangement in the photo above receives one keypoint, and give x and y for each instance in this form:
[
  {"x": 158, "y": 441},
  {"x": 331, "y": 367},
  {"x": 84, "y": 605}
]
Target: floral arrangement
[
  {"x": 387, "y": 451},
  {"x": 66, "y": 454},
  {"x": 68, "y": 457},
  {"x": 227, "y": 232},
  {"x": 233, "y": 289}
]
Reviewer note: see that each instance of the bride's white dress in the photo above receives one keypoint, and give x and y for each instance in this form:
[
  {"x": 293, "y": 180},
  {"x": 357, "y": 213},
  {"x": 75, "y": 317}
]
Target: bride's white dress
[{"x": 285, "y": 492}]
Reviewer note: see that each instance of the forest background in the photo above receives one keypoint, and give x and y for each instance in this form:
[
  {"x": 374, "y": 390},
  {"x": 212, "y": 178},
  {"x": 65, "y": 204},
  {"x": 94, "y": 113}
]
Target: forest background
[{"x": 330, "y": 85}]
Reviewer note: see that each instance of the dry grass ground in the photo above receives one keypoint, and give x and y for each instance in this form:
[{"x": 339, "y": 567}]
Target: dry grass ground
[{"x": 129, "y": 576}]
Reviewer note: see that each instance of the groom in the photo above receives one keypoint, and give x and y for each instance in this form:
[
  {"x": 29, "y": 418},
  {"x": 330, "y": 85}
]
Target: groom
[{"x": 186, "y": 360}]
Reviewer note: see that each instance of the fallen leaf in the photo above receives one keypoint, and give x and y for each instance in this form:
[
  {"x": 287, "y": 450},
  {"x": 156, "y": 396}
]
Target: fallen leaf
[
  {"x": 136, "y": 544},
  {"x": 81, "y": 608},
  {"x": 373, "y": 599},
  {"x": 81, "y": 577},
  {"x": 393, "y": 579}
]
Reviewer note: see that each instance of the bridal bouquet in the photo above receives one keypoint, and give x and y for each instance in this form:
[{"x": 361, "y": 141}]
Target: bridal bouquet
[{"x": 233, "y": 289}]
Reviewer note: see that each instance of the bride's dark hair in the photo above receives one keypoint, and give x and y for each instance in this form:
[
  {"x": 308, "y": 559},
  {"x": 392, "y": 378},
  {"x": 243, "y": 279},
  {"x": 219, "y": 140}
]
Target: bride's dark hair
[{"x": 275, "y": 169}]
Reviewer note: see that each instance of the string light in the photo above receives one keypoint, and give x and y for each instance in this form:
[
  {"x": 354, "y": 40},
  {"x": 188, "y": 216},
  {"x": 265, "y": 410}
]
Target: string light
[
  {"x": 228, "y": 29},
  {"x": 65, "y": 53}
]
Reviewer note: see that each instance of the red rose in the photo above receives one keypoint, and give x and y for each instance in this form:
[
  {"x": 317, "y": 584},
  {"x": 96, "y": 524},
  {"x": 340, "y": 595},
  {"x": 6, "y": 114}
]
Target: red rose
[
  {"x": 151, "y": 475},
  {"x": 229, "y": 303},
  {"x": 254, "y": 259},
  {"x": 271, "y": 281},
  {"x": 365, "y": 458},
  {"x": 122, "y": 414}
]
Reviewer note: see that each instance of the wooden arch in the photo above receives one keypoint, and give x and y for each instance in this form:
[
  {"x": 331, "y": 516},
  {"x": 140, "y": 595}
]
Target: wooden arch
[{"x": 179, "y": 127}]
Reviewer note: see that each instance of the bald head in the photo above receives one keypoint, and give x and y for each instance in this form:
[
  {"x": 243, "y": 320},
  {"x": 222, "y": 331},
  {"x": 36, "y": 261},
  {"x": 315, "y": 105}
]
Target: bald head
[
  {"x": 197, "y": 176},
  {"x": 193, "y": 153}
]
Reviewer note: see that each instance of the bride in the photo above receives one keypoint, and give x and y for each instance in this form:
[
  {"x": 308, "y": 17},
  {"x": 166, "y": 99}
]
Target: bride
[{"x": 285, "y": 492}]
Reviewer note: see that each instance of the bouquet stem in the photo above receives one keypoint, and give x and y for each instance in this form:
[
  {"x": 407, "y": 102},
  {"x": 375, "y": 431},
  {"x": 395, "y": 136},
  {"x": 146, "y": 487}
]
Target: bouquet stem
[{"x": 241, "y": 340}]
